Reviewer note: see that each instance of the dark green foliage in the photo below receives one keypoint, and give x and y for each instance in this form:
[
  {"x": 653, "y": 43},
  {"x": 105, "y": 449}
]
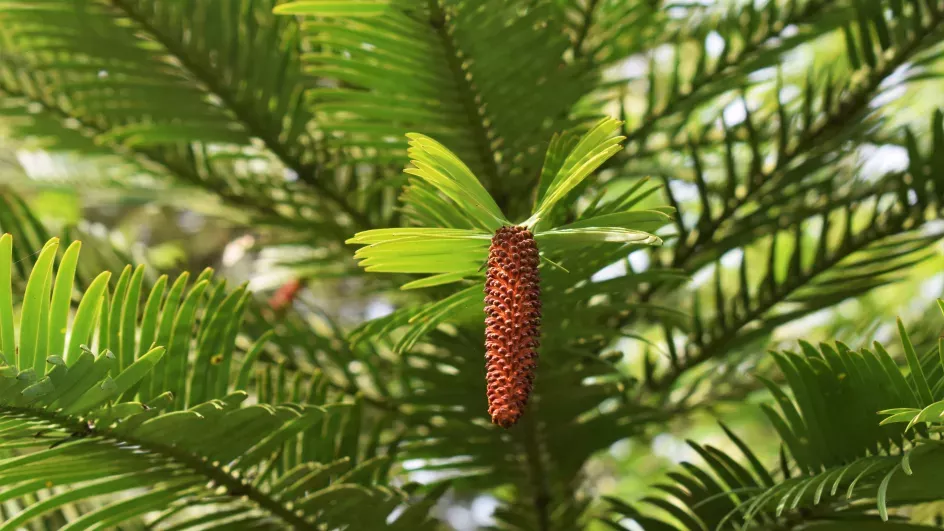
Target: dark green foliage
[
  {"x": 97, "y": 422},
  {"x": 681, "y": 133},
  {"x": 844, "y": 461}
]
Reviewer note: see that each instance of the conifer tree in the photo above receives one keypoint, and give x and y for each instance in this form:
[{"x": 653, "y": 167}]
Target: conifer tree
[{"x": 595, "y": 222}]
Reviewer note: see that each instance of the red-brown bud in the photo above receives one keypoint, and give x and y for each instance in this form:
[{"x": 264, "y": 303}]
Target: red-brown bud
[
  {"x": 513, "y": 304},
  {"x": 285, "y": 295}
]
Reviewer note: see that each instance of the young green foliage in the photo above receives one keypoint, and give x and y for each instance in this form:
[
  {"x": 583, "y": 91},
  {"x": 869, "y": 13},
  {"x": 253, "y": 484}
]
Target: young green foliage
[
  {"x": 452, "y": 255},
  {"x": 455, "y": 254}
]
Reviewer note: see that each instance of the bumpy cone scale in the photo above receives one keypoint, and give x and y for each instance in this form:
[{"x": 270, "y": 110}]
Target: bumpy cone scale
[{"x": 513, "y": 322}]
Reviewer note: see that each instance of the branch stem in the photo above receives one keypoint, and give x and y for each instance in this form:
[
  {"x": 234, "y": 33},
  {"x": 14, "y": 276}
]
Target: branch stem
[{"x": 536, "y": 469}]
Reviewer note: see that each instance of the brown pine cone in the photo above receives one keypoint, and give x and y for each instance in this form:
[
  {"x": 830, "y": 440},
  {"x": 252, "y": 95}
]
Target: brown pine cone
[{"x": 513, "y": 322}]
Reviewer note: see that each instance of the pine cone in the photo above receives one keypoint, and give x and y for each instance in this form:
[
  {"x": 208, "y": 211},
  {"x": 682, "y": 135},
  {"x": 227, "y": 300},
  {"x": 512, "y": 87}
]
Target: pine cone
[{"x": 513, "y": 322}]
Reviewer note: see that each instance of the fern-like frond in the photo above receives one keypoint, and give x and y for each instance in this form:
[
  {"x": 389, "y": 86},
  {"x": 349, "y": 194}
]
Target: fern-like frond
[
  {"x": 840, "y": 457},
  {"x": 867, "y": 233},
  {"x": 776, "y": 171},
  {"x": 169, "y": 420},
  {"x": 751, "y": 38},
  {"x": 285, "y": 337},
  {"x": 481, "y": 78},
  {"x": 182, "y": 90}
]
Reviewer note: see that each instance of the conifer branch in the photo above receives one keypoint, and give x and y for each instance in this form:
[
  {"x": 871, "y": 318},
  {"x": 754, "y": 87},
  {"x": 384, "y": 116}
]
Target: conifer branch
[
  {"x": 255, "y": 125},
  {"x": 213, "y": 473}
]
